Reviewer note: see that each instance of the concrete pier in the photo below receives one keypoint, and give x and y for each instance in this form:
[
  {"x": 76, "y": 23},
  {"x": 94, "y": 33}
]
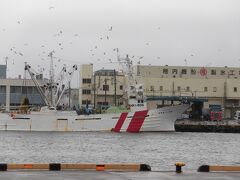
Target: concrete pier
[
  {"x": 225, "y": 126},
  {"x": 105, "y": 175}
]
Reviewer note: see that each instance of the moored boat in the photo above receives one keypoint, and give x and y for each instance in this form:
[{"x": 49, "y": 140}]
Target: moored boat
[{"x": 138, "y": 118}]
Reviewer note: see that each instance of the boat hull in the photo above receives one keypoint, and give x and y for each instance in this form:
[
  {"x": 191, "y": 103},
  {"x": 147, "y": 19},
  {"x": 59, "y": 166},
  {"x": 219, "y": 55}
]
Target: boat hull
[{"x": 161, "y": 119}]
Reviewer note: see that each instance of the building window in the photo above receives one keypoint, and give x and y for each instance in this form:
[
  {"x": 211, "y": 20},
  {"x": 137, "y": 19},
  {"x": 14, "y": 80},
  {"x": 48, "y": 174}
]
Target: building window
[
  {"x": 86, "y": 102},
  {"x": 86, "y": 91},
  {"x": 103, "y": 103},
  {"x": 222, "y": 72},
  {"x": 165, "y": 71},
  {"x": 105, "y": 87},
  {"x": 161, "y": 88},
  {"x": 179, "y": 88},
  {"x": 2, "y": 89},
  {"x": 18, "y": 89},
  {"x": 213, "y": 72},
  {"x": 231, "y": 72},
  {"x": 184, "y": 71},
  {"x": 35, "y": 90},
  {"x": 121, "y": 87},
  {"x": 193, "y": 71},
  {"x": 29, "y": 90},
  {"x": 174, "y": 71},
  {"x": 188, "y": 88},
  {"x": 205, "y": 89},
  {"x": 86, "y": 81},
  {"x": 214, "y": 89},
  {"x": 235, "y": 89},
  {"x": 151, "y": 88}
]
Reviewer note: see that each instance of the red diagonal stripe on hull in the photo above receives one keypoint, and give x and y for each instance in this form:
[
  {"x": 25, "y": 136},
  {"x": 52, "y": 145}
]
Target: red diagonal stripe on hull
[
  {"x": 137, "y": 121},
  {"x": 120, "y": 122}
]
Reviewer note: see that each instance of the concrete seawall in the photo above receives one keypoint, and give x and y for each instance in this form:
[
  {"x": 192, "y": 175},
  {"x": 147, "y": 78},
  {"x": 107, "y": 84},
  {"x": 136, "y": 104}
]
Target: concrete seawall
[{"x": 224, "y": 126}]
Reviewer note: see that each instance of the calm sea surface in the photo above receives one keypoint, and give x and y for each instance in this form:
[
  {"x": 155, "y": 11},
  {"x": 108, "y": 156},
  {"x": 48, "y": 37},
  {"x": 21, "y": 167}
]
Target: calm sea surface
[{"x": 160, "y": 150}]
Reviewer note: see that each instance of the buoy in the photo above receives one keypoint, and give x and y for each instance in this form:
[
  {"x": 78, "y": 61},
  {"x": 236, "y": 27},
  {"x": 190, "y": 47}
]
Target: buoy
[{"x": 179, "y": 166}]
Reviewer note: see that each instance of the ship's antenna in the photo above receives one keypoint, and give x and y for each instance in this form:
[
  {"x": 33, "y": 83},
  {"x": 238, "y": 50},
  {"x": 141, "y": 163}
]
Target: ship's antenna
[{"x": 127, "y": 66}]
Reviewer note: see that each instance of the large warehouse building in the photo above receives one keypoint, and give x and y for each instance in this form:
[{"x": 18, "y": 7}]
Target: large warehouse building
[{"x": 219, "y": 85}]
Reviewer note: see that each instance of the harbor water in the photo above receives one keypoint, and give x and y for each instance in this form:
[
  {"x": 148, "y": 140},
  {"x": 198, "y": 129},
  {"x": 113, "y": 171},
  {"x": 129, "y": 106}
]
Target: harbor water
[{"x": 160, "y": 150}]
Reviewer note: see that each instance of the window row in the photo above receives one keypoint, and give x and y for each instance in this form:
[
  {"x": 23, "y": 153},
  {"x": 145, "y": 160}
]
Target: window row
[
  {"x": 23, "y": 89},
  {"x": 86, "y": 91},
  {"x": 86, "y": 80},
  {"x": 106, "y": 87},
  {"x": 205, "y": 89},
  {"x": 86, "y": 102}
]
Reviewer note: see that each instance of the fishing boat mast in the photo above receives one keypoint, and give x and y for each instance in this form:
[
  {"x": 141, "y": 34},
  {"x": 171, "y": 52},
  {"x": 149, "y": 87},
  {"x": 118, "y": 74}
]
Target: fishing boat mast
[
  {"x": 136, "y": 99},
  {"x": 51, "y": 78}
]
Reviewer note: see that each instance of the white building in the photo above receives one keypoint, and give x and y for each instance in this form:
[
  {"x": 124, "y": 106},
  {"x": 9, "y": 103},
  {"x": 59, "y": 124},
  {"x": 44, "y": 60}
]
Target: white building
[
  {"x": 220, "y": 85},
  {"x": 101, "y": 88},
  {"x": 12, "y": 91}
]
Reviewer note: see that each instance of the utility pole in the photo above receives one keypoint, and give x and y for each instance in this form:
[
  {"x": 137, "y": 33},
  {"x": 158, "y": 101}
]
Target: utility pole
[
  {"x": 69, "y": 94},
  {"x": 105, "y": 88},
  {"x": 94, "y": 90}
]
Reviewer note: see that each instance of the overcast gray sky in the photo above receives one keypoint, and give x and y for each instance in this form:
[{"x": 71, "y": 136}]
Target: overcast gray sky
[{"x": 204, "y": 32}]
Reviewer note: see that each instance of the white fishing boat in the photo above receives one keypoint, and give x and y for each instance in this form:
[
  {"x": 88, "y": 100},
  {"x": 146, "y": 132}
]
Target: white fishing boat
[{"x": 136, "y": 119}]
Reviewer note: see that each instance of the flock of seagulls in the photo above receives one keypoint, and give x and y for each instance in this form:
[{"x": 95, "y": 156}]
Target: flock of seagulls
[{"x": 95, "y": 52}]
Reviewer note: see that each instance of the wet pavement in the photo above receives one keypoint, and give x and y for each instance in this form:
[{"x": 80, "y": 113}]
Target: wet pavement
[{"x": 105, "y": 175}]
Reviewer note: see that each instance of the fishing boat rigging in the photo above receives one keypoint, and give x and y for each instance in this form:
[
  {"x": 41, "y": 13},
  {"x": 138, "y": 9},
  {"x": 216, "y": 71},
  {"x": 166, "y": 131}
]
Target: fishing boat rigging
[
  {"x": 138, "y": 118},
  {"x": 54, "y": 88}
]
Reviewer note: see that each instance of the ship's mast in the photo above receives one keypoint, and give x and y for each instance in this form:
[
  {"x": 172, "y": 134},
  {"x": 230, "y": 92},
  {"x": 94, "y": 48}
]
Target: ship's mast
[
  {"x": 51, "y": 80},
  {"x": 128, "y": 68},
  {"x": 136, "y": 99}
]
